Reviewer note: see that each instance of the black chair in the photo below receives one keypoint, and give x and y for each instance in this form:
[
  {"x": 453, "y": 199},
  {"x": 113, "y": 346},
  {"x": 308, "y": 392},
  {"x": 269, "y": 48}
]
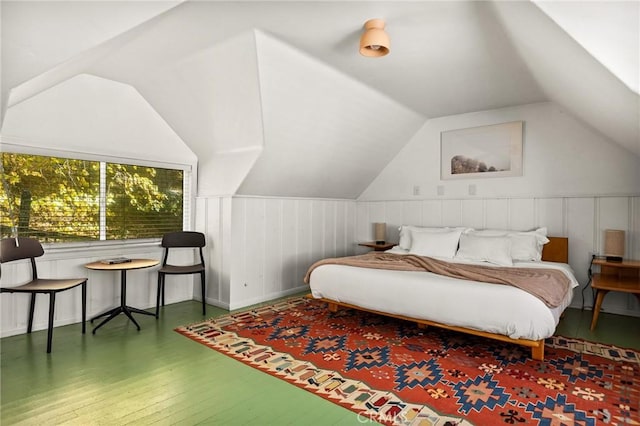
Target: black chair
[
  {"x": 29, "y": 248},
  {"x": 181, "y": 239}
]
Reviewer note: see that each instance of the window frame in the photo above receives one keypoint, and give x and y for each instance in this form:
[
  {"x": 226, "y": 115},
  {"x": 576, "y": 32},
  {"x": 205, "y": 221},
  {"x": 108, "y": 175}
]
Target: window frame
[{"x": 188, "y": 192}]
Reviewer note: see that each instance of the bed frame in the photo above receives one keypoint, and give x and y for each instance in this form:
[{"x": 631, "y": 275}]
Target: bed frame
[{"x": 556, "y": 250}]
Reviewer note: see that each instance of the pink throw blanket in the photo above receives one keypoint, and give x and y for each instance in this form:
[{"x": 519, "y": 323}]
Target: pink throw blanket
[{"x": 549, "y": 285}]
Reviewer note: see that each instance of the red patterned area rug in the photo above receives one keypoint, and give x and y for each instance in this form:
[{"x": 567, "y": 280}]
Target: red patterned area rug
[{"x": 393, "y": 372}]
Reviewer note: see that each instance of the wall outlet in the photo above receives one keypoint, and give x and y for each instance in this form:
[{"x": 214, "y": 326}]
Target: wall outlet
[
  {"x": 472, "y": 189},
  {"x": 440, "y": 189},
  {"x": 416, "y": 190}
]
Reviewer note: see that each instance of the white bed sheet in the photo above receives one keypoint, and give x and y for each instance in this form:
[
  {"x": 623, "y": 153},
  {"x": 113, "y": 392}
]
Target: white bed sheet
[{"x": 493, "y": 308}]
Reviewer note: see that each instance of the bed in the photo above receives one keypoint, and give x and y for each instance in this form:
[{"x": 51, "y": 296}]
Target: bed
[{"x": 501, "y": 312}]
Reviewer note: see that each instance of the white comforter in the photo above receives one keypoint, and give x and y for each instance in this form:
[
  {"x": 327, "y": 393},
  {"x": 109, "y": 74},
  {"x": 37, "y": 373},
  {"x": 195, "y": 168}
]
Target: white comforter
[{"x": 494, "y": 308}]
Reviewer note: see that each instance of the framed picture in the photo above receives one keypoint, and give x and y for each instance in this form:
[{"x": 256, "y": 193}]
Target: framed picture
[{"x": 479, "y": 152}]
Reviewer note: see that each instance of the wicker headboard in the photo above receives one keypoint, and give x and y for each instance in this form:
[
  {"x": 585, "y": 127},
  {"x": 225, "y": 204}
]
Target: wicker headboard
[{"x": 556, "y": 250}]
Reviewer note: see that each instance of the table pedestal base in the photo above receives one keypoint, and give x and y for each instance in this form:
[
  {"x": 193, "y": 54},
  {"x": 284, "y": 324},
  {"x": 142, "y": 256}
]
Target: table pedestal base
[
  {"x": 123, "y": 308},
  {"x": 127, "y": 310}
]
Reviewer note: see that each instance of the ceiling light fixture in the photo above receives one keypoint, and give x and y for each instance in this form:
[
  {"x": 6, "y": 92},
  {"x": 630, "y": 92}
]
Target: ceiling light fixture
[{"x": 374, "y": 41}]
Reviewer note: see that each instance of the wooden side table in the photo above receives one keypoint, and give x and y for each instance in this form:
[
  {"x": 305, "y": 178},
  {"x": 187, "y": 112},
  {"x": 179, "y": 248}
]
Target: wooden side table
[
  {"x": 377, "y": 247},
  {"x": 614, "y": 276}
]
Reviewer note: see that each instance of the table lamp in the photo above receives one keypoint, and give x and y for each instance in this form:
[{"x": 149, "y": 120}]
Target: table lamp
[
  {"x": 380, "y": 232},
  {"x": 614, "y": 245}
]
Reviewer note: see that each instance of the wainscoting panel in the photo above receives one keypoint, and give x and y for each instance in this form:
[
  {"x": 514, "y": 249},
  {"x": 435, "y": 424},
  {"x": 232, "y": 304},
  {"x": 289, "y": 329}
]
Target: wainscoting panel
[
  {"x": 208, "y": 219},
  {"x": 472, "y": 212},
  {"x": 430, "y": 212},
  {"x": 412, "y": 212},
  {"x": 496, "y": 213},
  {"x": 582, "y": 219},
  {"x": 275, "y": 240},
  {"x": 451, "y": 213},
  {"x": 634, "y": 238},
  {"x": 394, "y": 212},
  {"x": 613, "y": 213},
  {"x": 304, "y": 253},
  {"x": 289, "y": 252},
  {"x": 551, "y": 212},
  {"x": 364, "y": 222},
  {"x": 522, "y": 213},
  {"x": 581, "y": 229}
]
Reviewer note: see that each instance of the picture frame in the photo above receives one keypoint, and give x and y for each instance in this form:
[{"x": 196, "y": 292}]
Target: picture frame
[{"x": 482, "y": 152}]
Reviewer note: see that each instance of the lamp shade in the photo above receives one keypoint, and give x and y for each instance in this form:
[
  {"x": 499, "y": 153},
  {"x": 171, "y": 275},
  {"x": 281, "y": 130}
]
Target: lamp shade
[
  {"x": 614, "y": 244},
  {"x": 374, "y": 42},
  {"x": 380, "y": 232}
]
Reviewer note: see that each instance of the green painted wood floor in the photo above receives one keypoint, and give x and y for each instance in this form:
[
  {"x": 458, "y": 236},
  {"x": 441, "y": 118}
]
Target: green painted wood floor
[{"x": 123, "y": 376}]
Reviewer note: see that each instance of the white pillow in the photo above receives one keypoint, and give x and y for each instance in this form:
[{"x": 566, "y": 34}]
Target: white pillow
[
  {"x": 525, "y": 245},
  {"x": 528, "y": 245},
  {"x": 435, "y": 244},
  {"x": 405, "y": 234},
  {"x": 481, "y": 248}
]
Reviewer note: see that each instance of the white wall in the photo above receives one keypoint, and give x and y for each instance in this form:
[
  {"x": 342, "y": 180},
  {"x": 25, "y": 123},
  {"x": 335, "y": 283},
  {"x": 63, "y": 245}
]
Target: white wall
[
  {"x": 325, "y": 133},
  {"x": 95, "y": 116},
  {"x": 212, "y": 99},
  {"x": 261, "y": 247},
  {"x": 561, "y": 156},
  {"x": 38, "y": 36},
  {"x": 616, "y": 44},
  {"x": 575, "y": 182},
  {"x": 569, "y": 75},
  {"x": 213, "y": 218}
]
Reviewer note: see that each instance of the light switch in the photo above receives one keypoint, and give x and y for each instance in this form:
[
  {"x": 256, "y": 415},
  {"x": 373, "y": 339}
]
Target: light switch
[
  {"x": 472, "y": 189},
  {"x": 440, "y": 189}
]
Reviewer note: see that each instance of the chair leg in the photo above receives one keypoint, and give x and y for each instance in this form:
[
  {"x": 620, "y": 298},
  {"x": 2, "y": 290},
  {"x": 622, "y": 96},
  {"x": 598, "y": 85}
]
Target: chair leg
[
  {"x": 204, "y": 308},
  {"x": 164, "y": 277},
  {"x": 32, "y": 307},
  {"x": 158, "y": 294},
  {"x": 84, "y": 307},
  {"x": 52, "y": 304}
]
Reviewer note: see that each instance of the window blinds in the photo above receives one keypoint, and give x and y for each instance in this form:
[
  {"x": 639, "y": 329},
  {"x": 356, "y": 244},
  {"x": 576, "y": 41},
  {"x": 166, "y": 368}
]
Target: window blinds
[{"x": 60, "y": 199}]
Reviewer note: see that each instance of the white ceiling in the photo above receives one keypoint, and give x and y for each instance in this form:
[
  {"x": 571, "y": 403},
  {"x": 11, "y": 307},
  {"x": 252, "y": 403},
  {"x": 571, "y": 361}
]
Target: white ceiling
[
  {"x": 615, "y": 43},
  {"x": 447, "y": 57}
]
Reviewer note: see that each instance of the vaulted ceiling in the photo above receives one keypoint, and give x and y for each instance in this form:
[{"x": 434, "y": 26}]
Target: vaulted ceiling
[{"x": 306, "y": 92}]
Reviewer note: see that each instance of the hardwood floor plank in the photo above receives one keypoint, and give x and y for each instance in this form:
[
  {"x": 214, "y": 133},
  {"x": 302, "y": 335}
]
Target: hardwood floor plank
[{"x": 157, "y": 376}]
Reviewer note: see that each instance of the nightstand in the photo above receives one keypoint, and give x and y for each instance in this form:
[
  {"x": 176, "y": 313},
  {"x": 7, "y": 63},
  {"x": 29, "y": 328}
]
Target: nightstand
[
  {"x": 614, "y": 276},
  {"x": 378, "y": 247}
]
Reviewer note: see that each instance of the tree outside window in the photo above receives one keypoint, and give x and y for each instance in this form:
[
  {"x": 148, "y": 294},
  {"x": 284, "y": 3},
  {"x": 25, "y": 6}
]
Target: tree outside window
[{"x": 59, "y": 199}]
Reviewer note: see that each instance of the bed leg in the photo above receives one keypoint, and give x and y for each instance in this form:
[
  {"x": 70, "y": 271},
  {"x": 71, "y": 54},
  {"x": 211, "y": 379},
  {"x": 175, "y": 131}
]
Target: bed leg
[
  {"x": 421, "y": 325},
  {"x": 537, "y": 352},
  {"x": 333, "y": 307}
]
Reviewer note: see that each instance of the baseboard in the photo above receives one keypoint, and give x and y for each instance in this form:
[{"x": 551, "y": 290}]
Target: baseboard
[
  {"x": 216, "y": 303},
  {"x": 267, "y": 297},
  {"x": 39, "y": 327},
  {"x": 610, "y": 310}
]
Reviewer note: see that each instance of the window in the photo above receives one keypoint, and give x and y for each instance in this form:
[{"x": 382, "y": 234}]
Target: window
[{"x": 62, "y": 199}]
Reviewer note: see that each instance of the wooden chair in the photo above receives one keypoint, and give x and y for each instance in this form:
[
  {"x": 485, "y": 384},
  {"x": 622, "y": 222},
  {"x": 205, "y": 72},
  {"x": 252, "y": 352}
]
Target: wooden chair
[
  {"x": 29, "y": 248},
  {"x": 181, "y": 239}
]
